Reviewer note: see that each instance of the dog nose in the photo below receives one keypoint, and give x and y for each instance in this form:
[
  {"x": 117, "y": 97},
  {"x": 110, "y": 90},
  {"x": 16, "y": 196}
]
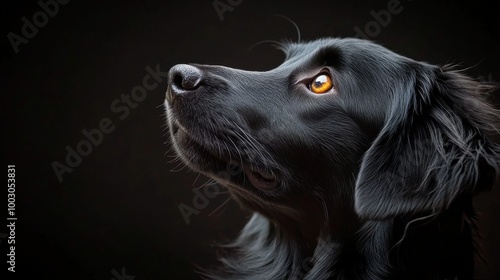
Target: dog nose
[{"x": 182, "y": 78}]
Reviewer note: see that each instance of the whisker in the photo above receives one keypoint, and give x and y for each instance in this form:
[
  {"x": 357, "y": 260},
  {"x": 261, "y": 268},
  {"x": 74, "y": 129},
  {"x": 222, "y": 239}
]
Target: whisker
[
  {"x": 236, "y": 147},
  {"x": 223, "y": 203},
  {"x": 196, "y": 179},
  {"x": 209, "y": 182},
  {"x": 177, "y": 169},
  {"x": 294, "y": 24},
  {"x": 162, "y": 105},
  {"x": 273, "y": 42},
  {"x": 256, "y": 144},
  {"x": 174, "y": 160}
]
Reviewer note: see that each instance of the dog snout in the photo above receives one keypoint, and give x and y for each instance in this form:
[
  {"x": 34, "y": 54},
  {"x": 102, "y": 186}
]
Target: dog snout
[{"x": 183, "y": 79}]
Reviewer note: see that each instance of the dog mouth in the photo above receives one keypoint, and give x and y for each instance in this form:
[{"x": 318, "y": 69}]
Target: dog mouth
[
  {"x": 211, "y": 162},
  {"x": 261, "y": 180}
]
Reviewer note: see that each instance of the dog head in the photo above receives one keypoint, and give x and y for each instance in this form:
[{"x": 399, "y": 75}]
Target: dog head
[{"x": 341, "y": 125}]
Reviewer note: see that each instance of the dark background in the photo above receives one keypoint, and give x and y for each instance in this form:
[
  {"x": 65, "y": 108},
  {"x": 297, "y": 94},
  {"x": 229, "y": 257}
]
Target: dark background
[{"x": 119, "y": 207}]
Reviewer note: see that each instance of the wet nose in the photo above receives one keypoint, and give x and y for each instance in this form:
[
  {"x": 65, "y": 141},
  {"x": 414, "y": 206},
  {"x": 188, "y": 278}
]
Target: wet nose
[{"x": 182, "y": 79}]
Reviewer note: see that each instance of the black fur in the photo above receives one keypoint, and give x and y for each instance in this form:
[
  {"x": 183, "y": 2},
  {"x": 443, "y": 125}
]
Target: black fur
[{"x": 372, "y": 180}]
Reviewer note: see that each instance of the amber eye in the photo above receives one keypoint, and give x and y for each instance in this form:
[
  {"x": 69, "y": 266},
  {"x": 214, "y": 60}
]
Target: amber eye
[{"x": 321, "y": 84}]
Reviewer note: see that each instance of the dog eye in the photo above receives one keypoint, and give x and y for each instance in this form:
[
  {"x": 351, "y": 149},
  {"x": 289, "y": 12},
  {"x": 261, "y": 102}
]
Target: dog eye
[{"x": 321, "y": 84}]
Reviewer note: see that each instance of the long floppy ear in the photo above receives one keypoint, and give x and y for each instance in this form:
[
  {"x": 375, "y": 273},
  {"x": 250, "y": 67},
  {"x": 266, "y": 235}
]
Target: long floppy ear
[{"x": 436, "y": 145}]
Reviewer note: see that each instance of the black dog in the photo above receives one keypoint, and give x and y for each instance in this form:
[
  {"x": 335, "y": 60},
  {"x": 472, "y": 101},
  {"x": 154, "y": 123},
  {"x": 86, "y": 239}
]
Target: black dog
[{"x": 358, "y": 162}]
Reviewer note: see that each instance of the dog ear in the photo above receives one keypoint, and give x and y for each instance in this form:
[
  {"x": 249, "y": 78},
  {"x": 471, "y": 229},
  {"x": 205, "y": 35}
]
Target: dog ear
[{"x": 436, "y": 145}]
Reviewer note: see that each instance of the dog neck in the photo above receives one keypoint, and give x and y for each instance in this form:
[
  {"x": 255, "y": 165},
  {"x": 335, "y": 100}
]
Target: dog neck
[{"x": 424, "y": 246}]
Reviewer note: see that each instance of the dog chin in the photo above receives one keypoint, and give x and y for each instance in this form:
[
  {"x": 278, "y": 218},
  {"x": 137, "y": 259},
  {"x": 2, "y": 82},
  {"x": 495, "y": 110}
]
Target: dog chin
[{"x": 243, "y": 178}]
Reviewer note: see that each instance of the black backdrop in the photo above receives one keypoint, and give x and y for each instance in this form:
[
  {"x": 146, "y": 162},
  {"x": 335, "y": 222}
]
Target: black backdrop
[{"x": 117, "y": 212}]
